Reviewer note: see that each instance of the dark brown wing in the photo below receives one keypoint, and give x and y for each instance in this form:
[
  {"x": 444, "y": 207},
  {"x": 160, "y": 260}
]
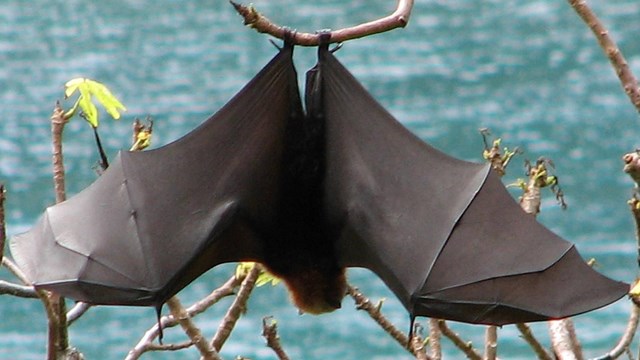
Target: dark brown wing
[
  {"x": 443, "y": 234},
  {"x": 156, "y": 220}
]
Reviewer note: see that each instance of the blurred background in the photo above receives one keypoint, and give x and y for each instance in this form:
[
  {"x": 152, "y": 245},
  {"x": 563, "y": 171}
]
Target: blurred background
[{"x": 530, "y": 71}]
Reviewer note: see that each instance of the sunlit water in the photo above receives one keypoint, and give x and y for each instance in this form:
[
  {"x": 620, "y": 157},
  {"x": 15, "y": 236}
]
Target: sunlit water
[{"x": 530, "y": 71}]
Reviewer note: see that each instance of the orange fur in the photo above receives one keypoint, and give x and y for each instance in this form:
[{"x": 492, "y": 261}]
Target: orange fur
[{"x": 315, "y": 292}]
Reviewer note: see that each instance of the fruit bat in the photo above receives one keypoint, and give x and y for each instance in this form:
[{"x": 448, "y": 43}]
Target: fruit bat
[{"x": 308, "y": 191}]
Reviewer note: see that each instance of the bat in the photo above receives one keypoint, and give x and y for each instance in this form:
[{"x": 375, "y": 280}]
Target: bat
[{"x": 309, "y": 191}]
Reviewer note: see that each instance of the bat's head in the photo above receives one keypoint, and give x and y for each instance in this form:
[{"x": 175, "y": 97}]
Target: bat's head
[{"x": 316, "y": 292}]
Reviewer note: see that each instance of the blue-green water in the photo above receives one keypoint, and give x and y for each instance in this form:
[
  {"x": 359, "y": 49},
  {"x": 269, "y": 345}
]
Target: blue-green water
[{"x": 530, "y": 71}]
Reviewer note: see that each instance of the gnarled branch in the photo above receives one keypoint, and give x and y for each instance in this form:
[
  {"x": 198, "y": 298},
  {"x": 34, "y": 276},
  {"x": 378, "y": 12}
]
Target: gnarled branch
[
  {"x": 398, "y": 19},
  {"x": 270, "y": 333},
  {"x": 627, "y": 79}
]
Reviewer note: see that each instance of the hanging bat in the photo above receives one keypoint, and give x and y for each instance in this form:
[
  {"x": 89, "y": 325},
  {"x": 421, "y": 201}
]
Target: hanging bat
[{"x": 308, "y": 191}]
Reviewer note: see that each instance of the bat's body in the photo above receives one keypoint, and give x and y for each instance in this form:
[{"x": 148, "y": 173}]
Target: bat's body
[{"x": 308, "y": 193}]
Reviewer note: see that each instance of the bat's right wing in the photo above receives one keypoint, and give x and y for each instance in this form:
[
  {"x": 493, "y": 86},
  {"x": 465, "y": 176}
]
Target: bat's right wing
[
  {"x": 442, "y": 233},
  {"x": 156, "y": 220}
]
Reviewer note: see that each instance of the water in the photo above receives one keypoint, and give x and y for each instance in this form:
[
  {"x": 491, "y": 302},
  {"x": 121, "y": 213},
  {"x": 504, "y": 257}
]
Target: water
[{"x": 532, "y": 72}]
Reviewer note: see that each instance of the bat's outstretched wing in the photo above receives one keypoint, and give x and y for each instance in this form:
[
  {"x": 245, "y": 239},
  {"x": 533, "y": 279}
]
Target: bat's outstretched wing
[
  {"x": 442, "y": 233},
  {"x": 156, "y": 220}
]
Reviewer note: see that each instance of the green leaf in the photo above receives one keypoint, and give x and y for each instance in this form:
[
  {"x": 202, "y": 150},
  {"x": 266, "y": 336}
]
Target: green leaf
[
  {"x": 88, "y": 108},
  {"x": 264, "y": 278},
  {"x": 106, "y": 98},
  {"x": 71, "y": 86},
  {"x": 88, "y": 89}
]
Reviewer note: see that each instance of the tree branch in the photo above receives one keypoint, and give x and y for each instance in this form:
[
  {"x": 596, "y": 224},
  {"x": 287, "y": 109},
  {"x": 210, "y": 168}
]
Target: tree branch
[
  {"x": 58, "y": 121},
  {"x": 168, "y": 347},
  {"x": 7, "y": 288},
  {"x": 15, "y": 270},
  {"x": 466, "y": 347},
  {"x": 527, "y": 335},
  {"x": 3, "y": 232},
  {"x": 564, "y": 340},
  {"x": 76, "y": 311},
  {"x": 180, "y": 314},
  {"x": 236, "y": 309},
  {"x": 57, "y": 319},
  {"x": 270, "y": 333},
  {"x": 398, "y": 19},
  {"x": 627, "y": 338},
  {"x": 619, "y": 63},
  {"x": 434, "y": 339},
  {"x": 363, "y": 303},
  {"x": 146, "y": 342},
  {"x": 491, "y": 342},
  {"x": 418, "y": 344}
]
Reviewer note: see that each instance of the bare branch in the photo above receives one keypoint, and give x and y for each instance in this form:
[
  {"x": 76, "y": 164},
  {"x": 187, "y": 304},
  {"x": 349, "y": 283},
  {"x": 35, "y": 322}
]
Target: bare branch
[
  {"x": 491, "y": 342},
  {"x": 563, "y": 338},
  {"x": 3, "y": 232},
  {"x": 58, "y": 121},
  {"x": 270, "y": 333},
  {"x": 418, "y": 344},
  {"x": 363, "y": 303},
  {"x": 58, "y": 342},
  {"x": 77, "y": 311},
  {"x": 7, "y": 288},
  {"x": 236, "y": 309},
  {"x": 527, "y": 335},
  {"x": 168, "y": 347},
  {"x": 619, "y": 63},
  {"x": 146, "y": 342},
  {"x": 398, "y": 19},
  {"x": 180, "y": 314},
  {"x": 15, "y": 270},
  {"x": 466, "y": 347},
  {"x": 434, "y": 339},
  {"x": 627, "y": 338}
]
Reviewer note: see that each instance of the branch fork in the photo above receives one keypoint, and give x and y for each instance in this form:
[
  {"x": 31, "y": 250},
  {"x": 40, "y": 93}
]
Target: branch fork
[{"x": 398, "y": 19}]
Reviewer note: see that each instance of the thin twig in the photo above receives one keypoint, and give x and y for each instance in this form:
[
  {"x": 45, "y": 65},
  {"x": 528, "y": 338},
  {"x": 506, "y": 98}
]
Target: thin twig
[
  {"x": 58, "y": 342},
  {"x": 236, "y": 309},
  {"x": 527, "y": 335},
  {"x": 270, "y": 333},
  {"x": 363, "y": 303},
  {"x": 564, "y": 341},
  {"x": 146, "y": 342},
  {"x": 623, "y": 345},
  {"x": 15, "y": 270},
  {"x": 77, "y": 311},
  {"x": 179, "y": 313},
  {"x": 3, "y": 231},
  {"x": 418, "y": 344},
  {"x": 619, "y": 63},
  {"x": 466, "y": 347},
  {"x": 632, "y": 168},
  {"x": 169, "y": 347},
  {"x": 398, "y": 19},
  {"x": 23, "y": 291},
  {"x": 435, "y": 336},
  {"x": 491, "y": 342},
  {"x": 58, "y": 121}
]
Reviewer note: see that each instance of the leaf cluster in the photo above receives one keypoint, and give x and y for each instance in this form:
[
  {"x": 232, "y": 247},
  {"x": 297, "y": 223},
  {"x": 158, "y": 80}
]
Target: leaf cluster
[{"x": 89, "y": 89}]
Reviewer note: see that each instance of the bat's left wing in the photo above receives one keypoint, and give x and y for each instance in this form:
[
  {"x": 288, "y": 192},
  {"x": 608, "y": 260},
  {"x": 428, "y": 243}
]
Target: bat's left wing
[
  {"x": 156, "y": 220},
  {"x": 442, "y": 233}
]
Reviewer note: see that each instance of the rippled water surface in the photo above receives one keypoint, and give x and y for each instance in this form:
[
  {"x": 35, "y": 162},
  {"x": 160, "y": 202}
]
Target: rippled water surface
[{"x": 531, "y": 71}]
